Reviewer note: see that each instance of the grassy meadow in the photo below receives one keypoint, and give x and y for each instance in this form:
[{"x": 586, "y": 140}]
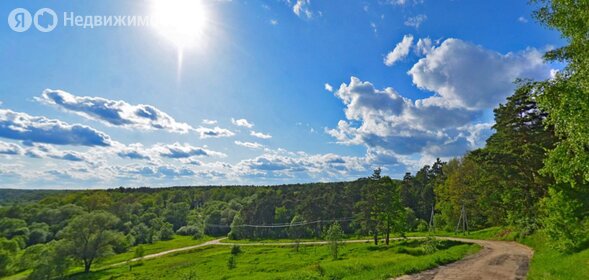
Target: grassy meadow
[{"x": 355, "y": 261}]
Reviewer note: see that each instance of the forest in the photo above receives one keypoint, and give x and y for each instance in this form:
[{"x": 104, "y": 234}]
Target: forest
[{"x": 532, "y": 176}]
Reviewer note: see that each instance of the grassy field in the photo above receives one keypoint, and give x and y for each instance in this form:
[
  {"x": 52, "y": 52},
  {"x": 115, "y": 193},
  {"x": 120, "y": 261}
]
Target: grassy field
[
  {"x": 356, "y": 261},
  {"x": 550, "y": 264},
  {"x": 160, "y": 246}
]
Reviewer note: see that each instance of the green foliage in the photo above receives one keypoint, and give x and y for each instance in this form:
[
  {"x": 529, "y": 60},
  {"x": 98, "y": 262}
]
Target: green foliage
[
  {"x": 196, "y": 231},
  {"x": 90, "y": 237},
  {"x": 139, "y": 252},
  {"x": 334, "y": 235},
  {"x": 566, "y": 97},
  {"x": 6, "y": 261},
  {"x": 235, "y": 249},
  {"x": 563, "y": 226},
  {"x": 50, "y": 261},
  {"x": 232, "y": 262}
]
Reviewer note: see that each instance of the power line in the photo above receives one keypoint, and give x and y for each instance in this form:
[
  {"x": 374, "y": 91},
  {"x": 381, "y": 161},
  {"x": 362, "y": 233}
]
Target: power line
[{"x": 281, "y": 225}]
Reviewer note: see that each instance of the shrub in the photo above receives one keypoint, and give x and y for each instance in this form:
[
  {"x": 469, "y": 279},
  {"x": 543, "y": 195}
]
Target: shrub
[
  {"x": 231, "y": 263},
  {"x": 562, "y": 223},
  {"x": 235, "y": 250},
  {"x": 194, "y": 230}
]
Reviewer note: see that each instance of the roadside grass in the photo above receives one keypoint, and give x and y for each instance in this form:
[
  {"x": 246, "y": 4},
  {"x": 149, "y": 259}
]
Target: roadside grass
[
  {"x": 355, "y": 261},
  {"x": 546, "y": 264},
  {"x": 492, "y": 233},
  {"x": 550, "y": 264}
]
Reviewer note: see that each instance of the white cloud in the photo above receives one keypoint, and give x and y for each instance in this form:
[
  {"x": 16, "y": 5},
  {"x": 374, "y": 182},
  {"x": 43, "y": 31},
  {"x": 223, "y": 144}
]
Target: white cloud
[
  {"x": 177, "y": 151},
  {"x": 113, "y": 112},
  {"x": 21, "y": 126},
  {"x": 466, "y": 75},
  {"x": 415, "y": 21},
  {"x": 403, "y": 2},
  {"x": 424, "y": 46},
  {"x": 260, "y": 135},
  {"x": 10, "y": 149},
  {"x": 242, "y": 122},
  {"x": 209, "y": 122},
  {"x": 400, "y": 51},
  {"x": 302, "y": 8},
  {"x": 328, "y": 87},
  {"x": 394, "y": 129},
  {"x": 522, "y": 19},
  {"x": 274, "y": 22},
  {"x": 251, "y": 145},
  {"x": 215, "y": 132},
  {"x": 467, "y": 81}
]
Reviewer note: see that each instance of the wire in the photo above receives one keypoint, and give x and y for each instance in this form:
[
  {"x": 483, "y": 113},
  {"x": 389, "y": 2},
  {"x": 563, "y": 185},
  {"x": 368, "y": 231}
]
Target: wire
[{"x": 282, "y": 225}]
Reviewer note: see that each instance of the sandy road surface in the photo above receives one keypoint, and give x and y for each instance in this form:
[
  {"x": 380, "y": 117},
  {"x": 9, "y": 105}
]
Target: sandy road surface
[{"x": 497, "y": 260}]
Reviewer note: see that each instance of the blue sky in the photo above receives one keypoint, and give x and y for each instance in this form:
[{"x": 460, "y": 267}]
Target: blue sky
[{"x": 269, "y": 92}]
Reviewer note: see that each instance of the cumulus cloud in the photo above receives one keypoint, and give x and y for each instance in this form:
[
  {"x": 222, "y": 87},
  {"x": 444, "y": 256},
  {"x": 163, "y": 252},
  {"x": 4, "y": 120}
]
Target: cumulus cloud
[
  {"x": 424, "y": 46},
  {"x": 400, "y": 51},
  {"x": 242, "y": 122},
  {"x": 466, "y": 75},
  {"x": 10, "y": 149},
  {"x": 48, "y": 151},
  {"x": 166, "y": 171},
  {"x": 114, "y": 112},
  {"x": 251, "y": 145},
  {"x": 134, "y": 151},
  {"x": 283, "y": 163},
  {"x": 216, "y": 132},
  {"x": 466, "y": 80},
  {"x": 260, "y": 135},
  {"x": 415, "y": 21},
  {"x": 21, "y": 126},
  {"x": 178, "y": 150},
  {"x": 391, "y": 125}
]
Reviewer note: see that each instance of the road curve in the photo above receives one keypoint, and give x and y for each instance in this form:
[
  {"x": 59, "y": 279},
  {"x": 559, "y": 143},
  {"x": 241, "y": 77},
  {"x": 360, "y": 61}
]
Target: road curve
[{"x": 497, "y": 260}]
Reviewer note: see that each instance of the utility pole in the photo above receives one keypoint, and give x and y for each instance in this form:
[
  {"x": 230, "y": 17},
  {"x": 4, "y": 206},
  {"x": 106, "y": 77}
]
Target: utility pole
[
  {"x": 432, "y": 225},
  {"x": 463, "y": 220}
]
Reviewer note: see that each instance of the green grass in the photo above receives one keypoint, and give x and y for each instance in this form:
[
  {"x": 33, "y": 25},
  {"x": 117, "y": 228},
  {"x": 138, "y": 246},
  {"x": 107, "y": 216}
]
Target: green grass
[
  {"x": 493, "y": 233},
  {"x": 356, "y": 261},
  {"x": 160, "y": 246},
  {"x": 546, "y": 264},
  {"x": 550, "y": 264}
]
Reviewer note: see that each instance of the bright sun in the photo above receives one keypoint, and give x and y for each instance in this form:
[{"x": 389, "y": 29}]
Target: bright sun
[{"x": 182, "y": 22}]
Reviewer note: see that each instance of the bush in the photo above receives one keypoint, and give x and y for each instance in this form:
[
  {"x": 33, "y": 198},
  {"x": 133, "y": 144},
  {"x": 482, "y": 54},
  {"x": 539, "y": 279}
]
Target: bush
[
  {"x": 166, "y": 232},
  {"x": 231, "y": 263},
  {"x": 235, "y": 250},
  {"x": 192, "y": 230},
  {"x": 562, "y": 223}
]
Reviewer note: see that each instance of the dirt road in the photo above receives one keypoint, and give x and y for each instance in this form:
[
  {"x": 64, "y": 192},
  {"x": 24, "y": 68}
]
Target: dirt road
[{"x": 497, "y": 260}]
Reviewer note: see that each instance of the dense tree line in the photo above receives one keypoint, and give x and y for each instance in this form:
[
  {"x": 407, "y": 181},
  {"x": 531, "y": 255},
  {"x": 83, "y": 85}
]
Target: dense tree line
[{"x": 82, "y": 227}]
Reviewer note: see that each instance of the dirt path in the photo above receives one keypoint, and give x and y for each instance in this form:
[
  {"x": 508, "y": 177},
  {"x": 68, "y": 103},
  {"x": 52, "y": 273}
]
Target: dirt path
[{"x": 496, "y": 260}]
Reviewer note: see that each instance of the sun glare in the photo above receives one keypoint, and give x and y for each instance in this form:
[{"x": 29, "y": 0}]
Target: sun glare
[{"x": 182, "y": 22}]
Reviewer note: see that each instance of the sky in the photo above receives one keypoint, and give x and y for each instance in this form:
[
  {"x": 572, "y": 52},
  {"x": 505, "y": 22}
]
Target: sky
[{"x": 224, "y": 92}]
